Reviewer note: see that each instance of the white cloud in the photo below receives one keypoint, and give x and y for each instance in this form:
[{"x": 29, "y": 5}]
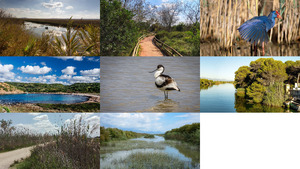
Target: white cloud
[
  {"x": 35, "y": 69},
  {"x": 43, "y": 63},
  {"x": 69, "y": 7},
  {"x": 66, "y": 77},
  {"x": 41, "y": 125},
  {"x": 5, "y": 72},
  {"x": 84, "y": 79},
  {"x": 93, "y": 59},
  {"x": 42, "y": 79},
  {"x": 52, "y": 4},
  {"x": 77, "y": 58},
  {"x": 91, "y": 72},
  {"x": 140, "y": 121},
  {"x": 69, "y": 70},
  {"x": 34, "y": 114}
]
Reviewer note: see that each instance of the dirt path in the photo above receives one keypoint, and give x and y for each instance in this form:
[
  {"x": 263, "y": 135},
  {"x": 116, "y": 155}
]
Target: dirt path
[
  {"x": 148, "y": 48},
  {"x": 8, "y": 158}
]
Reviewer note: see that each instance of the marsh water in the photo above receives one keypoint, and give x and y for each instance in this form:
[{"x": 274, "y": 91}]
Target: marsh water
[
  {"x": 189, "y": 156},
  {"x": 222, "y": 98},
  {"x": 39, "y": 29},
  {"x": 271, "y": 49},
  {"x": 127, "y": 85},
  {"x": 42, "y": 98}
]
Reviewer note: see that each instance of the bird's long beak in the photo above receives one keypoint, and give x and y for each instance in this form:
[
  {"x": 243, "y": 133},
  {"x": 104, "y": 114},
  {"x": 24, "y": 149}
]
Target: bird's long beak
[
  {"x": 153, "y": 71},
  {"x": 279, "y": 17}
]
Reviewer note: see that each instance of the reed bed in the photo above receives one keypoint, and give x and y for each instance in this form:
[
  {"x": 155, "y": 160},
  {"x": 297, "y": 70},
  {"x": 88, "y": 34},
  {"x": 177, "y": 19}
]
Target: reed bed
[
  {"x": 72, "y": 148},
  {"x": 220, "y": 19},
  {"x": 13, "y": 138}
]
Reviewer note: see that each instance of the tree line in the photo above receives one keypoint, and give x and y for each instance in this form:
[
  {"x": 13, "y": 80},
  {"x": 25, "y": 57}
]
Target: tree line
[
  {"x": 41, "y": 87},
  {"x": 188, "y": 133},
  {"x": 263, "y": 81},
  {"x": 114, "y": 134}
]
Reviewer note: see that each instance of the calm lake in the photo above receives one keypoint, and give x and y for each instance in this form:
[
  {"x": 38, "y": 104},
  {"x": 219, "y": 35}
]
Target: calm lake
[
  {"x": 39, "y": 29},
  {"x": 190, "y": 157},
  {"x": 42, "y": 98},
  {"x": 127, "y": 85},
  {"x": 222, "y": 98}
]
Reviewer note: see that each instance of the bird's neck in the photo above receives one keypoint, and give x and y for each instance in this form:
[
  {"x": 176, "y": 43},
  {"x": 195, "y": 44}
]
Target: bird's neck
[{"x": 157, "y": 73}]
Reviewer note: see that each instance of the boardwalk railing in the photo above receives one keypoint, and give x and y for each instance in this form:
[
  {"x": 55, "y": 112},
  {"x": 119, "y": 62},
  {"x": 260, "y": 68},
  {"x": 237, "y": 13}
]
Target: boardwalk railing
[
  {"x": 136, "y": 48},
  {"x": 169, "y": 51}
]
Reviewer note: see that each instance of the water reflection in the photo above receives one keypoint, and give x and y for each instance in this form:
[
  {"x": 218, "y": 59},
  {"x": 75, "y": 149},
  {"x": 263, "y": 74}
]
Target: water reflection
[
  {"x": 223, "y": 98},
  {"x": 40, "y": 29},
  {"x": 271, "y": 49}
]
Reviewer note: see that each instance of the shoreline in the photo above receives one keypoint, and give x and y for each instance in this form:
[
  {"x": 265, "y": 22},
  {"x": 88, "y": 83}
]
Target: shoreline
[{"x": 92, "y": 97}]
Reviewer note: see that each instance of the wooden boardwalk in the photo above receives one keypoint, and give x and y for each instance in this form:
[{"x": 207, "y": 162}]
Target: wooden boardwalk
[{"x": 148, "y": 48}]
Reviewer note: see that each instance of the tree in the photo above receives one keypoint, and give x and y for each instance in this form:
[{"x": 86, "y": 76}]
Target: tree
[
  {"x": 268, "y": 71},
  {"x": 118, "y": 32},
  {"x": 168, "y": 14},
  {"x": 242, "y": 77},
  {"x": 192, "y": 11},
  {"x": 256, "y": 92},
  {"x": 6, "y": 127},
  {"x": 292, "y": 69}
]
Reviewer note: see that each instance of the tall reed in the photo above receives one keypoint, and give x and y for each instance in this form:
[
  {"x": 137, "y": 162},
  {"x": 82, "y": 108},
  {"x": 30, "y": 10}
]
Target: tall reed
[{"x": 220, "y": 19}]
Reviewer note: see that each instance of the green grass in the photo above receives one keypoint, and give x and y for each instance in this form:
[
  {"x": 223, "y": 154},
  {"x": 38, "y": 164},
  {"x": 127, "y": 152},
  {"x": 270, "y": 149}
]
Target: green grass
[
  {"x": 149, "y": 136},
  {"x": 153, "y": 160},
  {"x": 83, "y": 107},
  {"x": 180, "y": 41}
]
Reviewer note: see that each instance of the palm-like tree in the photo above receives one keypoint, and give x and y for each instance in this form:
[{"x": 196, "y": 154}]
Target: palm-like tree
[{"x": 90, "y": 39}]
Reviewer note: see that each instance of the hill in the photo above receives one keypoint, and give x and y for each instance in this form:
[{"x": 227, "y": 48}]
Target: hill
[{"x": 9, "y": 89}]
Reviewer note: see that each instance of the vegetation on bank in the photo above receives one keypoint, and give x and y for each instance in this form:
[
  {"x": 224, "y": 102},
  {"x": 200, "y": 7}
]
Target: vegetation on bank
[
  {"x": 205, "y": 83},
  {"x": 59, "y": 108},
  {"x": 149, "y": 136},
  {"x": 114, "y": 134},
  {"x": 182, "y": 39},
  {"x": 129, "y": 20},
  {"x": 264, "y": 80},
  {"x": 72, "y": 148},
  {"x": 64, "y": 22},
  {"x": 15, "y": 40},
  {"x": 154, "y": 160},
  {"x": 42, "y": 87},
  {"x": 188, "y": 133},
  {"x": 82, "y": 107},
  {"x": 14, "y": 138}
]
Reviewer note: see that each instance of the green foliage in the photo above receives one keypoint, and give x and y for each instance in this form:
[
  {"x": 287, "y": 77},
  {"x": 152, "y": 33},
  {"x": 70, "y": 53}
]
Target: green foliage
[
  {"x": 188, "y": 133},
  {"x": 205, "y": 83},
  {"x": 83, "y": 107},
  {"x": 242, "y": 77},
  {"x": 149, "y": 136},
  {"x": 264, "y": 80},
  {"x": 256, "y": 92},
  {"x": 292, "y": 69},
  {"x": 113, "y": 134},
  {"x": 274, "y": 95},
  {"x": 119, "y": 33},
  {"x": 74, "y": 88}
]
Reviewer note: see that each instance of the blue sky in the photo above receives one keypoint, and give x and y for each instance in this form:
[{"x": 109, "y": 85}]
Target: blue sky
[
  {"x": 155, "y": 123},
  {"x": 51, "y": 122},
  {"x": 223, "y": 68},
  {"x": 64, "y": 70},
  {"x": 87, "y": 9}
]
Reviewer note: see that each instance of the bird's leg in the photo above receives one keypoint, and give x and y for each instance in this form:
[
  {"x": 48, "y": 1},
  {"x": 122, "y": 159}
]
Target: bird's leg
[
  {"x": 255, "y": 50},
  {"x": 263, "y": 48},
  {"x": 165, "y": 95},
  {"x": 251, "y": 50}
]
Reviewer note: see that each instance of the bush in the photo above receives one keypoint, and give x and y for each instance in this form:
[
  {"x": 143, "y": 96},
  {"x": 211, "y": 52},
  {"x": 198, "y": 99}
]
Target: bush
[{"x": 188, "y": 133}]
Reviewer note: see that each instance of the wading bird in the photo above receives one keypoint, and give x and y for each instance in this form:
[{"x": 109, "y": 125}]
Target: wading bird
[
  {"x": 164, "y": 82},
  {"x": 256, "y": 30}
]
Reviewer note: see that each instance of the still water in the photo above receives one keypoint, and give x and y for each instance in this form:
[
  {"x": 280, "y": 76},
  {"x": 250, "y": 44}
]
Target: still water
[
  {"x": 41, "y": 98},
  {"x": 271, "y": 49},
  {"x": 174, "y": 151},
  {"x": 222, "y": 98},
  {"x": 127, "y": 85},
  {"x": 39, "y": 29}
]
